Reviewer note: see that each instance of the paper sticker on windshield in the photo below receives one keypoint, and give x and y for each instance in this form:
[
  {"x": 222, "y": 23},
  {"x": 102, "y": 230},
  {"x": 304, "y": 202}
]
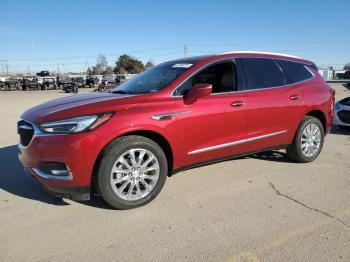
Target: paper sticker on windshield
[{"x": 182, "y": 65}]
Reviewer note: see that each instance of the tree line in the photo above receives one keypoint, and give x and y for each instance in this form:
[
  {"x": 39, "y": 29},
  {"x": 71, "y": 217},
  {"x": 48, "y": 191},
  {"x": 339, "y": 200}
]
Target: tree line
[{"x": 125, "y": 64}]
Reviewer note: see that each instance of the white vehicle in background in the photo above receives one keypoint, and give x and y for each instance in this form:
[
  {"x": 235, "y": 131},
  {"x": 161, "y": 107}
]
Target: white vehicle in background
[{"x": 342, "y": 113}]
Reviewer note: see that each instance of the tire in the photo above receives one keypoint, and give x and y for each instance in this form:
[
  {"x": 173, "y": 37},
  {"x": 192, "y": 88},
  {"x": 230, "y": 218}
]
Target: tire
[
  {"x": 117, "y": 150},
  {"x": 295, "y": 151}
]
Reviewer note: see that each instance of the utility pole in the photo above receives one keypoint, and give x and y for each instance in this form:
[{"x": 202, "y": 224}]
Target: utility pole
[
  {"x": 185, "y": 50},
  {"x": 58, "y": 69},
  {"x": 7, "y": 67},
  {"x": 2, "y": 66},
  {"x": 88, "y": 66}
]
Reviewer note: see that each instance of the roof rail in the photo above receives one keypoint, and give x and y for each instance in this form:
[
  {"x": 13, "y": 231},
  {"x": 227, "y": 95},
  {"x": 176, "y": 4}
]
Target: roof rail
[{"x": 258, "y": 52}]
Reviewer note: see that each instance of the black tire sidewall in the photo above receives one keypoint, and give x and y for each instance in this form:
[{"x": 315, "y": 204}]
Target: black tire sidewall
[
  {"x": 299, "y": 152},
  {"x": 110, "y": 156}
]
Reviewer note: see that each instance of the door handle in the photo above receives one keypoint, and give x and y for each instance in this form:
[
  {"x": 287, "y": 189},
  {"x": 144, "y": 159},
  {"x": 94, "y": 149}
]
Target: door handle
[
  {"x": 294, "y": 97},
  {"x": 237, "y": 104}
]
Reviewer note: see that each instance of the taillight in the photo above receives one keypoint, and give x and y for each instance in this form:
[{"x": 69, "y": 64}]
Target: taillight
[{"x": 332, "y": 91}]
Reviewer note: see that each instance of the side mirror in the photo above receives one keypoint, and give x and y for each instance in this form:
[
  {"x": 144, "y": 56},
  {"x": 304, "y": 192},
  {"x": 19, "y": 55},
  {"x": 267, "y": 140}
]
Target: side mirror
[{"x": 197, "y": 91}]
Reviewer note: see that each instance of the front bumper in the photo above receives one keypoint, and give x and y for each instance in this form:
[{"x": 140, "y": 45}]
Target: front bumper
[
  {"x": 73, "y": 193},
  {"x": 78, "y": 152}
]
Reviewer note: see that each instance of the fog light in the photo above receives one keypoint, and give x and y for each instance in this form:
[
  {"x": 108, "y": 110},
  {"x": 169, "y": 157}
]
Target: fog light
[{"x": 54, "y": 169}]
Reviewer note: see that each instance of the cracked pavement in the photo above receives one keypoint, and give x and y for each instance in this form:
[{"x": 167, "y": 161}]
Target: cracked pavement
[
  {"x": 306, "y": 206},
  {"x": 258, "y": 208}
]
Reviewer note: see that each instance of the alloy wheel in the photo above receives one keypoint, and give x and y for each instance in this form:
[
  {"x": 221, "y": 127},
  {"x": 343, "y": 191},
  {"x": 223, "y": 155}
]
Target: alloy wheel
[
  {"x": 311, "y": 140},
  {"x": 135, "y": 174}
]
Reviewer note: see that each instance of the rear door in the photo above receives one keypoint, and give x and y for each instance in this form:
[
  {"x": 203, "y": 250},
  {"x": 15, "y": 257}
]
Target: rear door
[{"x": 273, "y": 108}]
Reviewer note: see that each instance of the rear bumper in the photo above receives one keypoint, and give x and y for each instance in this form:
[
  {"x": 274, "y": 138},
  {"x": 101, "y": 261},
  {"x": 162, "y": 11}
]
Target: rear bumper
[{"x": 73, "y": 193}]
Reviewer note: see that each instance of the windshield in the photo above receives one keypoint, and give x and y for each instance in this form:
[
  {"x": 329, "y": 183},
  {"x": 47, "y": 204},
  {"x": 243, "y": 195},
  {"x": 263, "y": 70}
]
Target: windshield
[{"x": 154, "y": 79}]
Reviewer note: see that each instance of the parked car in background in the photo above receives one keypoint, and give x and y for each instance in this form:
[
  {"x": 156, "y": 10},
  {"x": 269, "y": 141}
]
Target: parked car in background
[
  {"x": 79, "y": 81},
  {"x": 342, "y": 113},
  {"x": 345, "y": 75},
  {"x": 72, "y": 88},
  {"x": 108, "y": 82},
  {"x": 92, "y": 81},
  {"x": 43, "y": 73},
  {"x": 9, "y": 83},
  {"x": 67, "y": 85},
  {"x": 30, "y": 83},
  {"x": 176, "y": 115},
  {"x": 48, "y": 83},
  {"x": 62, "y": 81},
  {"x": 120, "y": 79}
]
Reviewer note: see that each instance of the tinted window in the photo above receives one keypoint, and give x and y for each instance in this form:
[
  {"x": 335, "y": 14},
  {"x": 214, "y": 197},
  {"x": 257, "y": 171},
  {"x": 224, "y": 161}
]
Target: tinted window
[
  {"x": 262, "y": 73},
  {"x": 221, "y": 76},
  {"x": 294, "y": 72},
  {"x": 155, "y": 78}
]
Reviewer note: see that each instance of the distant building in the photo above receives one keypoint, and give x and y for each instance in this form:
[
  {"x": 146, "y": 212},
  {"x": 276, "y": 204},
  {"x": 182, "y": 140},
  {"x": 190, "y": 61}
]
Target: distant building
[{"x": 329, "y": 73}]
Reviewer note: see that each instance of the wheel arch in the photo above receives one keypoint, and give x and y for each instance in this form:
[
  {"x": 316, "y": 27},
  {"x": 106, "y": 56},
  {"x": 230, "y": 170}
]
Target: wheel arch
[
  {"x": 153, "y": 135},
  {"x": 320, "y": 116}
]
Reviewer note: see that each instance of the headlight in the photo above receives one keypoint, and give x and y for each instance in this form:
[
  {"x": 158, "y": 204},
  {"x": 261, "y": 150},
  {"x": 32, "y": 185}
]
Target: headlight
[{"x": 75, "y": 125}]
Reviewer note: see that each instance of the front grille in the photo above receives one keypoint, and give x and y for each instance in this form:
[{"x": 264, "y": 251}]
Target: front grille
[
  {"x": 344, "y": 116},
  {"x": 25, "y": 131}
]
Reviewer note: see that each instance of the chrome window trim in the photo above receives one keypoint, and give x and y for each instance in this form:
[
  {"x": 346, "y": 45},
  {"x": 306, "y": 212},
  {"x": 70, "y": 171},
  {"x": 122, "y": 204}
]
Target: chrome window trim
[
  {"x": 233, "y": 143},
  {"x": 195, "y": 72},
  {"x": 235, "y": 57}
]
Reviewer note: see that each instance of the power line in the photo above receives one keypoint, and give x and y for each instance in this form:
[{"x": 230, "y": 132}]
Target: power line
[
  {"x": 185, "y": 53},
  {"x": 95, "y": 55}
]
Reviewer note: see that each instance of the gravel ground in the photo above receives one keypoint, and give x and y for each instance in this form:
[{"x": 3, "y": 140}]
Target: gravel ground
[{"x": 257, "y": 208}]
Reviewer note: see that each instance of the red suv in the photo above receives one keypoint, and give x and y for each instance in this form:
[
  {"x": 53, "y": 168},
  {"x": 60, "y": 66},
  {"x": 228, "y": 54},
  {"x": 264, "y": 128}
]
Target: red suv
[{"x": 176, "y": 115}]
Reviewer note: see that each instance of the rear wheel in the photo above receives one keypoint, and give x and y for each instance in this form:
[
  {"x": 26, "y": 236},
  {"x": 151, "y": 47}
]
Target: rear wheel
[
  {"x": 132, "y": 172},
  {"x": 308, "y": 141}
]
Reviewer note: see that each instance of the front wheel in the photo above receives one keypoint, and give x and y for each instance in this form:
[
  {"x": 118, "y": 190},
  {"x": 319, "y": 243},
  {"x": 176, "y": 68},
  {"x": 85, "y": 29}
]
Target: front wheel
[
  {"x": 308, "y": 141},
  {"x": 132, "y": 172}
]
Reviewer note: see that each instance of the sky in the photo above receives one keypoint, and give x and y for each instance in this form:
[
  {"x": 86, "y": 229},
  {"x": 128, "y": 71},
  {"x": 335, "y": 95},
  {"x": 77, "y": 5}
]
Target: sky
[{"x": 40, "y": 35}]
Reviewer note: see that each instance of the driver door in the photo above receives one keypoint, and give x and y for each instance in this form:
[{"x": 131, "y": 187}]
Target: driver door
[{"x": 214, "y": 126}]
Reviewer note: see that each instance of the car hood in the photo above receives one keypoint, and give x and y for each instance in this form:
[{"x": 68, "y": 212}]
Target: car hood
[{"x": 78, "y": 105}]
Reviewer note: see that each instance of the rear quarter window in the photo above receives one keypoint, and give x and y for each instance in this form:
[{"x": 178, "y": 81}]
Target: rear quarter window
[
  {"x": 262, "y": 73},
  {"x": 295, "y": 72}
]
